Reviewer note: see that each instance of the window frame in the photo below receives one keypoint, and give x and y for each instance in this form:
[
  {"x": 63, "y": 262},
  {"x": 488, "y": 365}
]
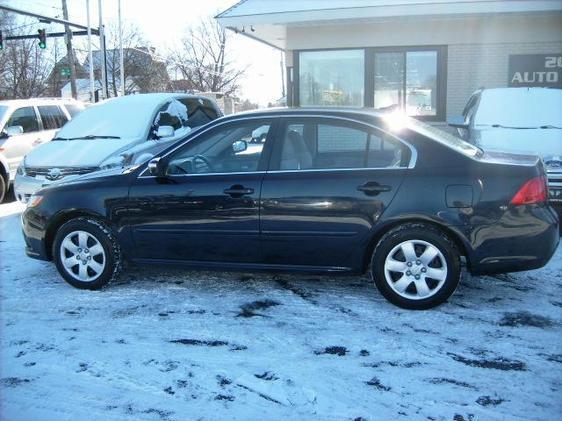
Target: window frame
[
  {"x": 287, "y": 120},
  {"x": 201, "y": 136},
  {"x": 369, "y": 74}
]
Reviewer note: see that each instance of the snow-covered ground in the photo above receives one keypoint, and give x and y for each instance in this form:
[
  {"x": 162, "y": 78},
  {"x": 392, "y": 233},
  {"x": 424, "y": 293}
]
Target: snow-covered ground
[{"x": 167, "y": 344}]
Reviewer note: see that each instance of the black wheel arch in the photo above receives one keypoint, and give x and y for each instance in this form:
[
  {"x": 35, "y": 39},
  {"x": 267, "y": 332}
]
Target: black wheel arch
[
  {"x": 456, "y": 236},
  {"x": 62, "y": 218}
]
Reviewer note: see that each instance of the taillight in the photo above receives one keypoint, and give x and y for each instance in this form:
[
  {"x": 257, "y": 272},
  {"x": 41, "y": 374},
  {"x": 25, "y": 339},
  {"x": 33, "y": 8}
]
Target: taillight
[{"x": 533, "y": 191}]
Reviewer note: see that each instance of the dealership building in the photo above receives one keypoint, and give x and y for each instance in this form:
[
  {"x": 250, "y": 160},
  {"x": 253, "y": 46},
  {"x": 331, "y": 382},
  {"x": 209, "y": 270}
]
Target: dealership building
[{"x": 424, "y": 56}]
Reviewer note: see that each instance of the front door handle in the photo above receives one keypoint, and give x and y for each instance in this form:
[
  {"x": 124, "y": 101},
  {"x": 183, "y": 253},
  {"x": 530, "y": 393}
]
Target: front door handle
[
  {"x": 238, "y": 191},
  {"x": 372, "y": 188}
]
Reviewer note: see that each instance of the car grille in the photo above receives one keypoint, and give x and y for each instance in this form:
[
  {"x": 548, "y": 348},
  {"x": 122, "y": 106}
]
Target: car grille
[
  {"x": 63, "y": 172},
  {"x": 555, "y": 186}
]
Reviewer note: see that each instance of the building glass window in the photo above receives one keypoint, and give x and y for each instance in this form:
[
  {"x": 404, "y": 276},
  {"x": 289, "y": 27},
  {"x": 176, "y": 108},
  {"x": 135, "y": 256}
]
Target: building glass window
[
  {"x": 407, "y": 80},
  {"x": 332, "y": 78}
]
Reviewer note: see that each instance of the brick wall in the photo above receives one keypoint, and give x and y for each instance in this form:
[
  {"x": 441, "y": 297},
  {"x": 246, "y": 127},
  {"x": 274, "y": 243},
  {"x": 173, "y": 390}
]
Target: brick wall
[{"x": 471, "y": 66}]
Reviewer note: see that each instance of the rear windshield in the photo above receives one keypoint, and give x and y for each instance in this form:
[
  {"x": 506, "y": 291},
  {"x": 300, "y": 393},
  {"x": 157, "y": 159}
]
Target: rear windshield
[{"x": 444, "y": 138}]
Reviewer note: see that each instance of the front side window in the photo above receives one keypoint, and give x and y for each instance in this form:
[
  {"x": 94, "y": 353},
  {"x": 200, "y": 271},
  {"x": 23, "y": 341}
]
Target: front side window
[
  {"x": 52, "y": 117},
  {"x": 332, "y": 78},
  {"x": 407, "y": 80},
  {"x": 324, "y": 144},
  {"x": 226, "y": 149},
  {"x": 24, "y": 117}
]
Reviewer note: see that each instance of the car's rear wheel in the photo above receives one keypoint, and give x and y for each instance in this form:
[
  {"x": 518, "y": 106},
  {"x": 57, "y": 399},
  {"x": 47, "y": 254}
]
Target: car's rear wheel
[
  {"x": 416, "y": 266},
  {"x": 86, "y": 253}
]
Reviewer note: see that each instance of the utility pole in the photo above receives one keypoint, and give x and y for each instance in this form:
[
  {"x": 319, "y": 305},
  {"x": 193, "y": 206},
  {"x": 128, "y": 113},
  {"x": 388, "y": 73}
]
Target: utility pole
[
  {"x": 69, "y": 51},
  {"x": 282, "y": 74},
  {"x": 121, "y": 59},
  {"x": 103, "y": 53},
  {"x": 90, "y": 54}
]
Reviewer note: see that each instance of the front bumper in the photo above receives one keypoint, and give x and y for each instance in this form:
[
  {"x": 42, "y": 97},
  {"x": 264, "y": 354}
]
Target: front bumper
[
  {"x": 25, "y": 186},
  {"x": 33, "y": 227}
]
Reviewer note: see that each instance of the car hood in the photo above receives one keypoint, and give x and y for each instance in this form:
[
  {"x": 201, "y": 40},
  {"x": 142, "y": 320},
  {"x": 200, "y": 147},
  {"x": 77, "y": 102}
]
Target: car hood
[
  {"x": 77, "y": 153},
  {"x": 546, "y": 143}
]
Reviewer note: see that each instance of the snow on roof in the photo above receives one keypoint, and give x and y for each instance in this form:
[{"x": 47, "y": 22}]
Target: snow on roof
[
  {"x": 368, "y": 8},
  {"x": 127, "y": 116},
  {"x": 268, "y": 21}
]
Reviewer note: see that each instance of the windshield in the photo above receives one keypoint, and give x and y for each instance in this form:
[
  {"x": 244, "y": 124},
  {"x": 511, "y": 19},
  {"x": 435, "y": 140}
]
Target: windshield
[
  {"x": 123, "y": 118},
  {"x": 520, "y": 108}
]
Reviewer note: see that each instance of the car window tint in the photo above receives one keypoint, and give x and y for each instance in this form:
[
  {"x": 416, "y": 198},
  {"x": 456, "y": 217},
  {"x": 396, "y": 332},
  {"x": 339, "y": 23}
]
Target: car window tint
[
  {"x": 323, "y": 145},
  {"x": 231, "y": 148},
  {"x": 73, "y": 109},
  {"x": 24, "y": 117},
  {"x": 52, "y": 117},
  {"x": 385, "y": 151}
]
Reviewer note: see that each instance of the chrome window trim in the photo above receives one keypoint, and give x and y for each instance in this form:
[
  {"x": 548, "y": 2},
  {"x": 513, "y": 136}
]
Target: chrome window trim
[{"x": 411, "y": 164}]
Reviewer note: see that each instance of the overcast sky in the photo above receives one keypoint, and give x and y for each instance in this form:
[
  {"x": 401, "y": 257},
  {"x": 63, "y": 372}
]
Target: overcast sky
[{"x": 164, "y": 22}]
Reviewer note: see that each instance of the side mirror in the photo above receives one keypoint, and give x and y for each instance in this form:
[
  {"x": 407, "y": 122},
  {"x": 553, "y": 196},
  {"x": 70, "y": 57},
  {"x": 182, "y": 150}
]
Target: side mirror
[
  {"x": 165, "y": 131},
  {"x": 458, "y": 121},
  {"x": 14, "y": 130},
  {"x": 239, "y": 146},
  {"x": 156, "y": 167}
]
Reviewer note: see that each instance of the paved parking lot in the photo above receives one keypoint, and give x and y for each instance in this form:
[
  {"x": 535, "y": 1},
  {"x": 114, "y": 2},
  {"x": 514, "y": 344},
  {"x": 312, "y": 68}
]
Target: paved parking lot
[{"x": 169, "y": 344}]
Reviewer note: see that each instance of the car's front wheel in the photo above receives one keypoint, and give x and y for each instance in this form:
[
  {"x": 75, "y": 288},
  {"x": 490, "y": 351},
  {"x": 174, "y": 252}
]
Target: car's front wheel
[
  {"x": 3, "y": 188},
  {"x": 416, "y": 266},
  {"x": 86, "y": 253}
]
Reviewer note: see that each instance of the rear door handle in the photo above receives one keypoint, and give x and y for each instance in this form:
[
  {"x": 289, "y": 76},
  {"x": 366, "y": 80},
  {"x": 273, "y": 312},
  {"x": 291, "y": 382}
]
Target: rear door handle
[
  {"x": 238, "y": 191},
  {"x": 373, "y": 188}
]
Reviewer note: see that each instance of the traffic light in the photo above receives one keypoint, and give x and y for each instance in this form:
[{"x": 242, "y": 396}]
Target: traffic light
[
  {"x": 1, "y": 41},
  {"x": 42, "y": 39}
]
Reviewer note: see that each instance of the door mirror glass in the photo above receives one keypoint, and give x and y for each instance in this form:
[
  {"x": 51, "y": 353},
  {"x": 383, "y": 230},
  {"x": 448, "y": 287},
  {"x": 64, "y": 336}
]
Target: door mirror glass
[
  {"x": 458, "y": 121},
  {"x": 156, "y": 167},
  {"x": 165, "y": 131},
  {"x": 14, "y": 130},
  {"x": 239, "y": 146}
]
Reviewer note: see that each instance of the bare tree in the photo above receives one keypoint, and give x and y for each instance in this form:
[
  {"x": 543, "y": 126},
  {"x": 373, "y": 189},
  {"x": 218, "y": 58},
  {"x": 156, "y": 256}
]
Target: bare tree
[
  {"x": 24, "y": 67},
  {"x": 144, "y": 70},
  {"x": 203, "y": 59}
]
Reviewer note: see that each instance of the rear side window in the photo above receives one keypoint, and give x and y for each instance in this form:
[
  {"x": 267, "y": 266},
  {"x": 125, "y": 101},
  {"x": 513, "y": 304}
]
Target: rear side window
[
  {"x": 52, "y": 117},
  {"x": 73, "y": 109},
  {"x": 200, "y": 111},
  {"x": 26, "y": 118},
  {"x": 324, "y": 144}
]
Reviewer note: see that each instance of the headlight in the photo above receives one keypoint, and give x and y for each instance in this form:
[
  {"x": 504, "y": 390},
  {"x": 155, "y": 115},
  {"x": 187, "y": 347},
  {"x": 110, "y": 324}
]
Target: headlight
[
  {"x": 21, "y": 169},
  {"x": 34, "y": 200}
]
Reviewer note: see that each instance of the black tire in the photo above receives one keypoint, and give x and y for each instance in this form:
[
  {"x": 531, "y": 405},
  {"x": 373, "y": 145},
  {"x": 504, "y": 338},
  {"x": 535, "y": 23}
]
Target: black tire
[
  {"x": 111, "y": 249},
  {"x": 417, "y": 233},
  {"x": 3, "y": 187}
]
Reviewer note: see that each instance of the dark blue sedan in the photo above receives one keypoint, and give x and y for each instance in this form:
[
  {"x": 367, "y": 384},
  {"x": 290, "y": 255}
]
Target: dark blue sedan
[{"x": 324, "y": 191}]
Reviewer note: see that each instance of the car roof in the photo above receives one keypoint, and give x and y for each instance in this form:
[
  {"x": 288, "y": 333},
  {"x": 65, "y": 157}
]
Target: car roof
[
  {"x": 36, "y": 101},
  {"x": 364, "y": 114},
  {"x": 153, "y": 98}
]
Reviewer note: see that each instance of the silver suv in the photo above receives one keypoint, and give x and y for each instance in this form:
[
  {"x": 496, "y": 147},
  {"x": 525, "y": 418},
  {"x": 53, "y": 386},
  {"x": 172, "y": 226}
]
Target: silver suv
[{"x": 26, "y": 123}]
